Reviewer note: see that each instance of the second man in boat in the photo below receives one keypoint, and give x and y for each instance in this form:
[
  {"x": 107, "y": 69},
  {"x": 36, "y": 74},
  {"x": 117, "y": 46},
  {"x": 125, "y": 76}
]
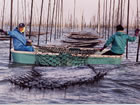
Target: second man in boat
[{"x": 119, "y": 41}]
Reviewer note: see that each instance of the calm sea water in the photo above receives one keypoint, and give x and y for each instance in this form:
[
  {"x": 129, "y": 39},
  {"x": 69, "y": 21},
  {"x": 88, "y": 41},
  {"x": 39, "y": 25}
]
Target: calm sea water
[{"x": 120, "y": 85}]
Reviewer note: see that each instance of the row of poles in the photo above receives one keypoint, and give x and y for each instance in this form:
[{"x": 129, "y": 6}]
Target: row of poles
[{"x": 56, "y": 19}]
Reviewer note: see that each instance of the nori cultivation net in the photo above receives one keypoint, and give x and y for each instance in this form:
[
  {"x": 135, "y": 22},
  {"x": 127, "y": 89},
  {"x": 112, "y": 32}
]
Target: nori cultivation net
[{"x": 61, "y": 56}]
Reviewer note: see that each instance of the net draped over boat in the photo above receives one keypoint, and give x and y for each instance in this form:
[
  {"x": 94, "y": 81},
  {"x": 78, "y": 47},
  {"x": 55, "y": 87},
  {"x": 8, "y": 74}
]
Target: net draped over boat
[{"x": 62, "y": 56}]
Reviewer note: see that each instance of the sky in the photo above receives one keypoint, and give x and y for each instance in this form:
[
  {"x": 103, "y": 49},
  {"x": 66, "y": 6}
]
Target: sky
[{"x": 88, "y": 8}]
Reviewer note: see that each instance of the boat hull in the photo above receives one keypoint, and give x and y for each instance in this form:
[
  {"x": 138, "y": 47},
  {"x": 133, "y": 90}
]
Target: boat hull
[
  {"x": 56, "y": 59},
  {"x": 23, "y": 57}
]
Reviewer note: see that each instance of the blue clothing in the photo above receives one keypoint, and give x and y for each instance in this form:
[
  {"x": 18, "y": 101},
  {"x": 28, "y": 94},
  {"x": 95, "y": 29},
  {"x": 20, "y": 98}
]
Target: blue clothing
[
  {"x": 19, "y": 41},
  {"x": 118, "y": 41}
]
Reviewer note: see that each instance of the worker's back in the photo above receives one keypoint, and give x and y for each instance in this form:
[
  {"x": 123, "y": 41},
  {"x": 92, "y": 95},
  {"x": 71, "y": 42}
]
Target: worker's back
[{"x": 118, "y": 41}]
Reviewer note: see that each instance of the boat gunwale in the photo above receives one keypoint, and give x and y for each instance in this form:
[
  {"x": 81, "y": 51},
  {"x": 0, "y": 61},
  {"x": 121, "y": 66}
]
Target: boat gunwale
[
  {"x": 75, "y": 55},
  {"x": 32, "y": 53}
]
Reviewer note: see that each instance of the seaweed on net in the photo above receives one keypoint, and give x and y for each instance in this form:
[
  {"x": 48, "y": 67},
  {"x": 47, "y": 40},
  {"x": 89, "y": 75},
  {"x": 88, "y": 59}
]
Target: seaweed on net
[
  {"x": 37, "y": 80},
  {"x": 63, "y": 56}
]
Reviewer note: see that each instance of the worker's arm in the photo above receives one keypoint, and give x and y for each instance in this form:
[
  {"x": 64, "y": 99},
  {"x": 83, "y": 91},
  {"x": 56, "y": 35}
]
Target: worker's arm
[
  {"x": 109, "y": 41},
  {"x": 10, "y": 33}
]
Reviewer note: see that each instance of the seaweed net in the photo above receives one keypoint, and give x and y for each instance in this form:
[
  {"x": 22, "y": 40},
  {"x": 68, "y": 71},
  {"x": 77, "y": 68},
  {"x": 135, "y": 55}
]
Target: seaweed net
[
  {"x": 57, "y": 79},
  {"x": 62, "y": 56}
]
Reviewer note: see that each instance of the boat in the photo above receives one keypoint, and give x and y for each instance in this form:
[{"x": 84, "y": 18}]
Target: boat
[{"x": 62, "y": 59}]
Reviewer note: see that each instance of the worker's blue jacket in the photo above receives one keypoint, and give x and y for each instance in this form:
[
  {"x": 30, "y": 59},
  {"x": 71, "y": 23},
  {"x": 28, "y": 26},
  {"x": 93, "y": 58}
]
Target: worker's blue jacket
[
  {"x": 19, "y": 41},
  {"x": 118, "y": 41}
]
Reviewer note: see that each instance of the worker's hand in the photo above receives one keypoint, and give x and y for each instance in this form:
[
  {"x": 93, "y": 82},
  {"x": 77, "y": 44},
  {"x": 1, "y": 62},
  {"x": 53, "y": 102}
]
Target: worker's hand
[
  {"x": 2, "y": 31},
  {"x": 137, "y": 32},
  {"x": 102, "y": 49}
]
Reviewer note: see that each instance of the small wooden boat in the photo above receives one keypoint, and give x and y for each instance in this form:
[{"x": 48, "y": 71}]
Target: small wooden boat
[{"x": 62, "y": 59}]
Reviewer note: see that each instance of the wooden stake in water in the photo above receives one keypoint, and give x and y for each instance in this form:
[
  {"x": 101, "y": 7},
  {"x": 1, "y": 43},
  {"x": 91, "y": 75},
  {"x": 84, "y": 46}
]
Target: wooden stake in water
[
  {"x": 98, "y": 19},
  {"x": 3, "y": 14},
  {"x": 25, "y": 11},
  {"x": 113, "y": 17},
  {"x": 118, "y": 14},
  {"x": 103, "y": 18},
  {"x": 128, "y": 9},
  {"x": 56, "y": 20},
  {"x": 40, "y": 21},
  {"x": 62, "y": 17},
  {"x": 48, "y": 18},
  {"x": 121, "y": 12},
  {"x": 52, "y": 22},
  {"x": 74, "y": 15},
  {"x": 106, "y": 18},
  {"x": 11, "y": 22},
  {"x": 137, "y": 58},
  {"x": 17, "y": 12},
  {"x": 109, "y": 18},
  {"x": 30, "y": 28}
]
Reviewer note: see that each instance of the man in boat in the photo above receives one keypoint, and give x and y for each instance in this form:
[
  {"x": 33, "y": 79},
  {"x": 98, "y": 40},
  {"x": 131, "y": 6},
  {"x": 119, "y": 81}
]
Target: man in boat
[
  {"x": 19, "y": 40},
  {"x": 119, "y": 41}
]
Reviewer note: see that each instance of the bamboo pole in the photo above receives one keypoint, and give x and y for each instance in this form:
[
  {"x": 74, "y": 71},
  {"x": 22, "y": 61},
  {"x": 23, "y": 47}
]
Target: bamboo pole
[
  {"x": 103, "y": 18},
  {"x": 138, "y": 14},
  {"x": 22, "y": 6},
  {"x": 61, "y": 26},
  {"x": 3, "y": 14},
  {"x": 61, "y": 18},
  {"x": 48, "y": 18},
  {"x": 98, "y": 18},
  {"x": 30, "y": 27},
  {"x": 11, "y": 22},
  {"x": 82, "y": 22},
  {"x": 118, "y": 14},
  {"x": 40, "y": 21},
  {"x": 128, "y": 10},
  {"x": 17, "y": 12},
  {"x": 113, "y": 17},
  {"x": 123, "y": 17},
  {"x": 58, "y": 19},
  {"x": 109, "y": 18},
  {"x": 137, "y": 57},
  {"x": 121, "y": 12},
  {"x": 74, "y": 15},
  {"x": 52, "y": 20},
  {"x": 106, "y": 18},
  {"x": 25, "y": 11}
]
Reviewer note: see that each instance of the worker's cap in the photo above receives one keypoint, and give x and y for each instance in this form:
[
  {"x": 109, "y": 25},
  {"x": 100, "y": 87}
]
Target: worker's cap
[
  {"x": 119, "y": 28},
  {"x": 21, "y": 25}
]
